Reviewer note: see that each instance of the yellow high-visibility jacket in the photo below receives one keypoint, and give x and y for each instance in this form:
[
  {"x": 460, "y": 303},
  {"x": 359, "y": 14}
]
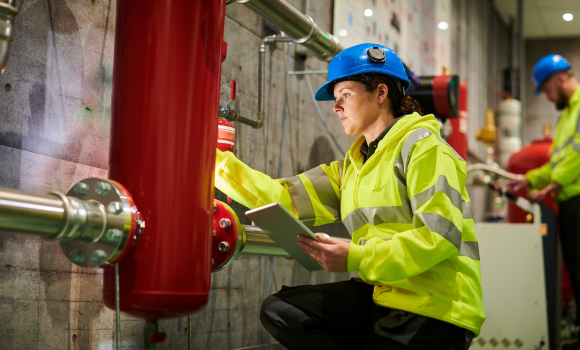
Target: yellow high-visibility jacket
[
  {"x": 406, "y": 208},
  {"x": 564, "y": 164}
]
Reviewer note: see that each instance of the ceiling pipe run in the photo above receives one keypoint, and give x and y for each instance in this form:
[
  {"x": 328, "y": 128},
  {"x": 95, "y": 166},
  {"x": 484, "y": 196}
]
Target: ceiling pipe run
[{"x": 299, "y": 27}]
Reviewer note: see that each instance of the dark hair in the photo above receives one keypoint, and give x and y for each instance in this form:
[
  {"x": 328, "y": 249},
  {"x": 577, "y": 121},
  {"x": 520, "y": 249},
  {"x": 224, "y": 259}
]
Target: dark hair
[{"x": 402, "y": 105}]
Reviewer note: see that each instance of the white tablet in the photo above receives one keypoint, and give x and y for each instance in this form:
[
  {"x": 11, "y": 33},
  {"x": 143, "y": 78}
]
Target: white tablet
[{"x": 278, "y": 223}]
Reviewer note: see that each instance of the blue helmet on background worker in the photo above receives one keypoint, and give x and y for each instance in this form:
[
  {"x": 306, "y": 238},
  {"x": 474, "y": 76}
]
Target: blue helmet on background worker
[
  {"x": 547, "y": 66},
  {"x": 360, "y": 59}
]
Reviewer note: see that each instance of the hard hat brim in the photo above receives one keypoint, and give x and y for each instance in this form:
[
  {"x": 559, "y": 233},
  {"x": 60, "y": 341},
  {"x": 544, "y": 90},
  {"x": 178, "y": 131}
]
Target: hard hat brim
[{"x": 322, "y": 94}]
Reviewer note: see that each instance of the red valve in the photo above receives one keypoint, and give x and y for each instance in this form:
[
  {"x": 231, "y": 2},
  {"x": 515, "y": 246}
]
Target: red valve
[
  {"x": 157, "y": 338},
  {"x": 233, "y": 96},
  {"x": 224, "y": 50}
]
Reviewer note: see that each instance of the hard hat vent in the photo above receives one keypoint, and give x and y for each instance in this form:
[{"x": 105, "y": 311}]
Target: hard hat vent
[{"x": 376, "y": 55}]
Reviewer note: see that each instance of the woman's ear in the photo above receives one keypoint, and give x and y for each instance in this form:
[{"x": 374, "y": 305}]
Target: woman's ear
[{"x": 383, "y": 92}]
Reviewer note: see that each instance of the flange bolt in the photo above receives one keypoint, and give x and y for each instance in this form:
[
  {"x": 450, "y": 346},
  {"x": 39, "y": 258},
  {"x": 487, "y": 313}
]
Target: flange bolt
[
  {"x": 115, "y": 208},
  {"x": 98, "y": 256},
  {"x": 102, "y": 188},
  {"x": 224, "y": 247},
  {"x": 225, "y": 223},
  {"x": 76, "y": 256},
  {"x": 81, "y": 188},
  {"x": 114, "y": 235}
]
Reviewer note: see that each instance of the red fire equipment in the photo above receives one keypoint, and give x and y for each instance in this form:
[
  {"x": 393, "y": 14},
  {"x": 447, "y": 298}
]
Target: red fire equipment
[
  {"x": 437, "y": 95},
  {"x": 458, "y": 136},
  {"x": 163, "y": 130}
]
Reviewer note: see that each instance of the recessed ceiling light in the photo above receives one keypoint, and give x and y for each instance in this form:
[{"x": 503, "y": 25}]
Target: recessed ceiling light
[
  {"x": 443, "y": 25},
  {"x": 568, "y": 17},
  {"x": 343, "y": 32},
  {"x": 368, "y": 12}
]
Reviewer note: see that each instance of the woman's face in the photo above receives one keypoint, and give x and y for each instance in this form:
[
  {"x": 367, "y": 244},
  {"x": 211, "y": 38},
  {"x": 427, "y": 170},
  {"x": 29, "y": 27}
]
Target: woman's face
[{"x": 356, "y": 108}]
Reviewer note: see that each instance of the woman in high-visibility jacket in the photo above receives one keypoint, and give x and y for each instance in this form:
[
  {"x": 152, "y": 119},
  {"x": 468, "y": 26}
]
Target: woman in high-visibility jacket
[{"x": 400, "y": 191}]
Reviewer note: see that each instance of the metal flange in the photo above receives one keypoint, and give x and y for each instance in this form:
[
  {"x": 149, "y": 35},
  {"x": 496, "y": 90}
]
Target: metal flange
[
  {"x": 229, "y": 236},
  {"x": 109, "y": 222}
]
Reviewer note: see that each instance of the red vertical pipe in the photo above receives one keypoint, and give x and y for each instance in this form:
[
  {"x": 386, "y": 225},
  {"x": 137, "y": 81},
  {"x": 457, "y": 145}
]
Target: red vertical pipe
[{"x": 167, "y": 69}]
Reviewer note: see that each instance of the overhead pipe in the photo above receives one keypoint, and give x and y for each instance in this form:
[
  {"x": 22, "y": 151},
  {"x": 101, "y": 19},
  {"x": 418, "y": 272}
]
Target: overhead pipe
[
  {"x": 296, "y": 27},
  {"x": 232, "y": 115},
  {"x": 299, "y": 27}
]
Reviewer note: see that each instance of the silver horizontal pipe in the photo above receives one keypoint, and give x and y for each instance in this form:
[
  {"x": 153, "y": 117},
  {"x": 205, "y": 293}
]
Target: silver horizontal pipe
[
  {"x": 7, "y": 14},
  {"x": 39, "y": 214},
  {"x": 52, "y": 216},
  {"x": 298, "y": 26},
  {"x": 494, "y": 169},
  {"x": 259, "y": 243}
]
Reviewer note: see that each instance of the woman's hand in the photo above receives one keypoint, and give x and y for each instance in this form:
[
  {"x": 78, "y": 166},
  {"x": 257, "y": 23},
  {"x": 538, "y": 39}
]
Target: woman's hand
[{"x": 330, "y": 253}]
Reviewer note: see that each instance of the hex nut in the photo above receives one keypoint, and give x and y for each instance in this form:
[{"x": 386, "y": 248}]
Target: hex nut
[
  {"x": 76, "y": 256},
  {"x": 224, "y": 247},
  {"x": 81, "y": 188},
  {"x": 114, "y": 235},
  {"x": 102, "y": 188},
  {"x": 225, "y": 223},
  {"x": 115, "y": 207},
  {"x": 98, "y": 256}
]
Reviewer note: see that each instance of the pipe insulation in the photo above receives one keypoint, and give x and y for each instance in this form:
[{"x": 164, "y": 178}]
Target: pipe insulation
[{"x": 298, "y": 26}]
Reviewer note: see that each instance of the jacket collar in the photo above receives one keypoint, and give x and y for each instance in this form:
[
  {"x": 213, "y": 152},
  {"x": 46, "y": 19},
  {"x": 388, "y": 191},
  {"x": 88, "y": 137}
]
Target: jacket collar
[
  {"x": 399, "y": 130},
  {"x": 575, "y": 97}
]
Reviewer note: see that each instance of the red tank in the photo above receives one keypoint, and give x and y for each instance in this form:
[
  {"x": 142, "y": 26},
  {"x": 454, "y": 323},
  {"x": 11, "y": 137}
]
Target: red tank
[
  {"x": 165, "y": 99},
  {"x": 458, "y": 137}
]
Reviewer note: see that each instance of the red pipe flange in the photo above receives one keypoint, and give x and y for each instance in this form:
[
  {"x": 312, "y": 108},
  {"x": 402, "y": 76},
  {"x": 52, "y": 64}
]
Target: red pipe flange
[
  {"x": 225, "y": 235},
  {"x": 440, "y": 95}
]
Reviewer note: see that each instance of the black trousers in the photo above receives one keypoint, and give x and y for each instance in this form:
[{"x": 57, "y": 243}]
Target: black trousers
[
  {"x": 570, "y": 238},
  {"x": 342, "y": 315}
]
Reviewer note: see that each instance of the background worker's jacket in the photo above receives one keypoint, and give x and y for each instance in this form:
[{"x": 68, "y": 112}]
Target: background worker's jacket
[
  {"x": 406, "y": 208},
  {"x": 564, "y": 164}
]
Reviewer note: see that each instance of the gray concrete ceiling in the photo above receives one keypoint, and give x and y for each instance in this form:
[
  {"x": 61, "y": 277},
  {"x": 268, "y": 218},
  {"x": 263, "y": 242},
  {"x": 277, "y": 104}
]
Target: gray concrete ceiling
[{"x": 543, "y": 18}]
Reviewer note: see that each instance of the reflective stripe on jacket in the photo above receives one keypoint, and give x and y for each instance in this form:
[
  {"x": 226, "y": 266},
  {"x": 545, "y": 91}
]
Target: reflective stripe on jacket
[
  {"x": 564, "y": 163},
  {"x": 406, "y": 208}
]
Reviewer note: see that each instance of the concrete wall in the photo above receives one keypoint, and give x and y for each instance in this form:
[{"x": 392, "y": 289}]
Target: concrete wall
[
  {"x": 480, "y": 52},
  {"x": 539, "y": 110},
  {"x": 54, "y": 130}
]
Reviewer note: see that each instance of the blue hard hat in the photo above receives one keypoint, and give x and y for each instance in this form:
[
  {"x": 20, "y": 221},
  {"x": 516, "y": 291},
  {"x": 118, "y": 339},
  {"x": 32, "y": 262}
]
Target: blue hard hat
[
  {"x": 359, "y": 59},
  {"x": 547, "y": 66}
]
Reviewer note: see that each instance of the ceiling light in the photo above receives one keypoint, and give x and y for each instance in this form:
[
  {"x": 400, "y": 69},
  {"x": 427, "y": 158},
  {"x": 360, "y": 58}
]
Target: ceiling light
[
  {"x": 568, "y": 17},
  {"x": 443, "y": 25},
  {"x": 343, "y": 32},
  {"x": 368, "y": 12}
]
